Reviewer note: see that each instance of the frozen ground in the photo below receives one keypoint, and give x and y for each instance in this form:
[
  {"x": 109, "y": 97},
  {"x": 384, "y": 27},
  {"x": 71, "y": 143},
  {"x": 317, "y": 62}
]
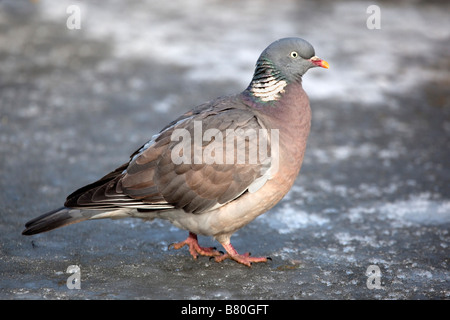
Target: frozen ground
[{"x": 374, "y": 187}]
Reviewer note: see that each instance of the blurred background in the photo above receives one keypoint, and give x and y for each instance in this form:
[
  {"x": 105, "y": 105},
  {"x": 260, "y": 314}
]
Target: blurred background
[{"x": 83, "y": 84}]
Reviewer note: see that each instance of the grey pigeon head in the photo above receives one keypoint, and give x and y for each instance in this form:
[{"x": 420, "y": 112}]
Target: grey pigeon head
[
  {"x": 292, "y": 57},
  {"x": 282, "y": 62}
]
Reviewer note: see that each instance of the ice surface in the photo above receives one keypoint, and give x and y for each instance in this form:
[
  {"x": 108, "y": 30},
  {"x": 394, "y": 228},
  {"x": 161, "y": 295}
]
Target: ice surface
[{"x": 373, "y": 189}]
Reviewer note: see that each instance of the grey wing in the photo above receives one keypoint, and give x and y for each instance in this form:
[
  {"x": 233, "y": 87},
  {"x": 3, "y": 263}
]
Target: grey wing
[{"x": 201, "y": 161}]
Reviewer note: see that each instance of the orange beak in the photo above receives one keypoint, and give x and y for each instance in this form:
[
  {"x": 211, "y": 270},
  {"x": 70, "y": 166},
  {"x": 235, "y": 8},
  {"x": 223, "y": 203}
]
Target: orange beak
[{"x": 319, "y": 62}]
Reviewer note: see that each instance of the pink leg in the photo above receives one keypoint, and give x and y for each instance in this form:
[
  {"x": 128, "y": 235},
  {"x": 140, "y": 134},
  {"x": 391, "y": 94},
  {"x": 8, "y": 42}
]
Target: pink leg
[
  {"x": 241, "y": 258},
  {"x": 194, "y": 247}
]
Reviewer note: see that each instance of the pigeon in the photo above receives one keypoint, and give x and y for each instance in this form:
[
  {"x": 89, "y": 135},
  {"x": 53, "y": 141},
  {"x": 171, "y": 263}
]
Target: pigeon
[{"x": 215, "y": 168}]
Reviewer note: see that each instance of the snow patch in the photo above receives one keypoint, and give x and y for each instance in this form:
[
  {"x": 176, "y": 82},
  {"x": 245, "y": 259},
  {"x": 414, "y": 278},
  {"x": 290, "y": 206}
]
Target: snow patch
[
  {"x": 174, "y": 33},
  {"x": 288, "y": 219},
  {"x": 420, "y": 209}
]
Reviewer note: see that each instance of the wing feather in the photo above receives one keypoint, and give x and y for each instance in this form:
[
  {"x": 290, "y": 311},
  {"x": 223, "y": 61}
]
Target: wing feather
[{"x": 152, "y": 180}]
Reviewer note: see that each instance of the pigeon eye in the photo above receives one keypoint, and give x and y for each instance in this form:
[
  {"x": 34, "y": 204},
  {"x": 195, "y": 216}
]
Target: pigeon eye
[{"x": 294, "y": 54}]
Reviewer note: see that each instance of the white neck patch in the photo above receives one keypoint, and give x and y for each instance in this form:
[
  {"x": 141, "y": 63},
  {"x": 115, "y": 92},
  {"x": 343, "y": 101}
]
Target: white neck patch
[{"x": 268, "y": 90}]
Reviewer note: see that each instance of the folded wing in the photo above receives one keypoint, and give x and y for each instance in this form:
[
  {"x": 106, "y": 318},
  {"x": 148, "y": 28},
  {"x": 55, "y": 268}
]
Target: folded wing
[{"x": 219, "y": 148}]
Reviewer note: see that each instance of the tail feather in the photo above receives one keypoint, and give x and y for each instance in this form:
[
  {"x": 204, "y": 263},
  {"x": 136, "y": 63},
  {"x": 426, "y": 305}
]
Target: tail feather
[{"x": 54, "y": 219}]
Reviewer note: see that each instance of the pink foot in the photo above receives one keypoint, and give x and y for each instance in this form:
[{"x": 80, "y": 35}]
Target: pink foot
[
  {"x": 194, "y": 247},
  {"x": 241, "y": 258}
]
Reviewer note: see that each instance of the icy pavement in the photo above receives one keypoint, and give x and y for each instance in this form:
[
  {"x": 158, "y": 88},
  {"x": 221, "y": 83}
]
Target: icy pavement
[{"x": 373, "y": 193}]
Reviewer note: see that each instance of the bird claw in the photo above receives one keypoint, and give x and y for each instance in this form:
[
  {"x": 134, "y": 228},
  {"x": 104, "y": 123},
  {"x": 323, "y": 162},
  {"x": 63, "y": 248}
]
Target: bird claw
[
  {"x": 218, "y": 256},
  {"x": 194, "y": 248},
  {"x": 221, "y": 253},
  {"x": 244, "y": 259}
]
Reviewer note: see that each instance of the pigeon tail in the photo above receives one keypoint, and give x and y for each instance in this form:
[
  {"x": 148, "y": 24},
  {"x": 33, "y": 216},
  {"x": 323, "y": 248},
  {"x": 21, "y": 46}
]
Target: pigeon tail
[{"x": 53, "y": 219}]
